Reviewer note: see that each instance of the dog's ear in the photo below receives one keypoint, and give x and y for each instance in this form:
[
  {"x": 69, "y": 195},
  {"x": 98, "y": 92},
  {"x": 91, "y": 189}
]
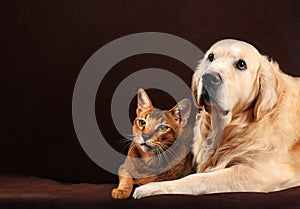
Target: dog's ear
[
  {"x": 195, "y": 85},
  {"x": 267, "y": 93}
]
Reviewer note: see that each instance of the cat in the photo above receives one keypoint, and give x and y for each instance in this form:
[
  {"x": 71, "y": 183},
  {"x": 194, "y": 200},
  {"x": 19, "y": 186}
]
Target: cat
[{"x": 150, "y": 157}]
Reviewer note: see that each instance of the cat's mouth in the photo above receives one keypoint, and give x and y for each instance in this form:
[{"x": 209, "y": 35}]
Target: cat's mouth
[
  {"x": 146, "y": 145},
  {"x": 148, "y": 148}
]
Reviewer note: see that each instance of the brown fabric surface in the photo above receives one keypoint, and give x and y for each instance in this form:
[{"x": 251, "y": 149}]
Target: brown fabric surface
[{"x": 33, "y": 192}]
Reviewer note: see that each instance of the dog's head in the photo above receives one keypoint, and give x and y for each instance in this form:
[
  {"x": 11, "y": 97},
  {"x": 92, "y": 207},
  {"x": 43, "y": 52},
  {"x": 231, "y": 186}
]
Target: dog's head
[{"x": 231, "y": 77}]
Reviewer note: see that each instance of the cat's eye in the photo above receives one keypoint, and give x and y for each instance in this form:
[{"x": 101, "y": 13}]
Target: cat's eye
[
  {"x": 162, "y": 128},
  {"x": 141, "y": 123}
]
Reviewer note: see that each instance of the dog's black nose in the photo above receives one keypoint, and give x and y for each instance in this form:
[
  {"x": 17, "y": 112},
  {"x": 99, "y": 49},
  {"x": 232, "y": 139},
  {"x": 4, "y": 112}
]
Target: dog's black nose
[{"x": 212, "y": 79}]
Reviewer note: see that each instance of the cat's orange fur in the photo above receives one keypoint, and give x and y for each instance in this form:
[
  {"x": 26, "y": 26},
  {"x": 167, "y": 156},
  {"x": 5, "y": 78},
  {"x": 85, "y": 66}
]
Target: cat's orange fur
[{"x": 154, "y": 132}]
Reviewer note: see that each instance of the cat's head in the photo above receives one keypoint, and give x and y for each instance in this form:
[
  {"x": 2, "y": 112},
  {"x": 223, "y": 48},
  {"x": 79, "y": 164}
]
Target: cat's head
[{"x": 156, "y": 130}]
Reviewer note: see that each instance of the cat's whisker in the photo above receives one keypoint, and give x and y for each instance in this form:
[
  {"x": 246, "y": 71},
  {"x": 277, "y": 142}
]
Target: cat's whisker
[
  {"x": 132, "y": 147},
  {"x": 167, "y": 148},
  {"x": 160, "y": 160},
  {"x": 129, "y": 135},
  {"x": 127, "y": 139},
  {"x": 162, "y": 154},
  {"x": 169, "y": 153},
  {"x": 159, "y": 154},
  {"x": 127, "y": 142}
]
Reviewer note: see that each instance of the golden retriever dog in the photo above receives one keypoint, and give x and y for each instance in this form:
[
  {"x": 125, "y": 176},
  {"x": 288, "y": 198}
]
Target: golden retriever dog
[{"x": 247, "y": 134}]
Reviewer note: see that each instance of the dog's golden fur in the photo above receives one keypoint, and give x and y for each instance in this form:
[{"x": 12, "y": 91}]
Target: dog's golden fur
[{"x": 255, "y": 146}]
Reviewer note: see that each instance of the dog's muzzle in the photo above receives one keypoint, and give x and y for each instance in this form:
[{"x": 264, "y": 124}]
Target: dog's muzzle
[
  {"x": 211, "y": 83},
  {"x": 211, "y": 88},
  {"x": 212, "y": 80}
]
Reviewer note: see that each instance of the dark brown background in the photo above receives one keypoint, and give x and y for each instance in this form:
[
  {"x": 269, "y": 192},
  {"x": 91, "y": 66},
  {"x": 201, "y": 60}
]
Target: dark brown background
[{"x": 44, "y": 45}]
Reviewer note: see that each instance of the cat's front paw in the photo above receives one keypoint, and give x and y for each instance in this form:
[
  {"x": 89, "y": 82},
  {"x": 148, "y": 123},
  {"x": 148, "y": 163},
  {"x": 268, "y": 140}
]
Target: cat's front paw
[
  {"x": 120, "y": 194},
  {"x": 148, "y": 190}
]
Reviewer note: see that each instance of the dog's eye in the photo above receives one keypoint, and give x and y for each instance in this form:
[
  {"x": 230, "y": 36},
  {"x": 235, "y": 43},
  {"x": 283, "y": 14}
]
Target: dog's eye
[
  {"x": 241, "y": 65},
  {"x": 211, "y": 57}
]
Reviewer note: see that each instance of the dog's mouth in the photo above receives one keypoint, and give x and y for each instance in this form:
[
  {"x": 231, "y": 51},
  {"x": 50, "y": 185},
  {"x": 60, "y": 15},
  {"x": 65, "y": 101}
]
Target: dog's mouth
[
  {"x": 205, "y": 100},
  {"x": 208, "y": 101}
]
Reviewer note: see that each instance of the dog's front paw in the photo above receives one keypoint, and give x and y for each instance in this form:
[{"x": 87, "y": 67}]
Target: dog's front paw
[{"x": 154, "y": 188}]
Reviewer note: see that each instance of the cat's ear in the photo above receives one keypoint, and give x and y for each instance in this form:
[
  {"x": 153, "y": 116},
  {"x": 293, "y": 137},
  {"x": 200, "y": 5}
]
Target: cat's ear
[
  {"x": 183, "y": 111},
  {"x": 143, "y": 101}
]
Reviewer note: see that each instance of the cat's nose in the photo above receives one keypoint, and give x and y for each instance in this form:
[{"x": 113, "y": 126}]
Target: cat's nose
[{"x": 146, "y": 136}]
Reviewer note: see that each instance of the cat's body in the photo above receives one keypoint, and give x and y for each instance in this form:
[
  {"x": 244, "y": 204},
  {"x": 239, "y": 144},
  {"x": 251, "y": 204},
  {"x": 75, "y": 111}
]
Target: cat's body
[{"x": 150, "y": 157}]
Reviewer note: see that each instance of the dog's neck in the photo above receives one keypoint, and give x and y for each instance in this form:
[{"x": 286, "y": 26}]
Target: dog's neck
[{"x": 214, "y": 131}]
